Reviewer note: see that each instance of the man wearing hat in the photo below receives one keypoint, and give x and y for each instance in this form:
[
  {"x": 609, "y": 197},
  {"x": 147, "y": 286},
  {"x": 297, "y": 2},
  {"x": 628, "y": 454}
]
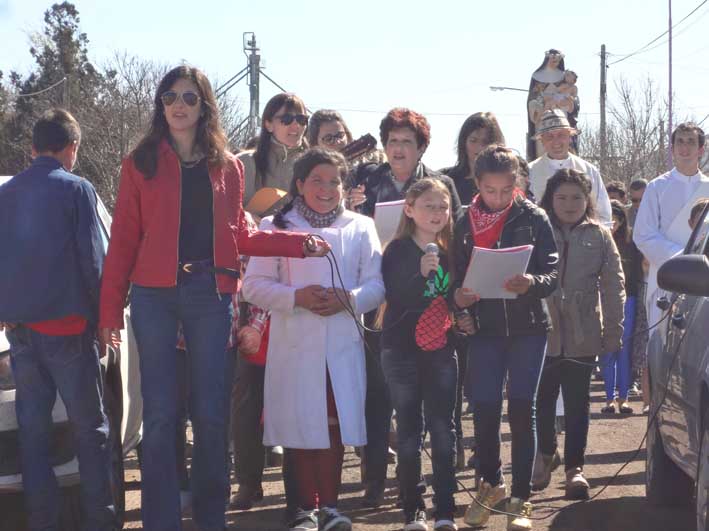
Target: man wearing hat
[{"x": 555, "y": 134}]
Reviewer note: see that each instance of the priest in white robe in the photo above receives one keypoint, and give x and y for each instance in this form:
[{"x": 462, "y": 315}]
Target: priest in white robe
[
  {"x": 555, "y": 133},
  {"x": 662, "y": 224}
]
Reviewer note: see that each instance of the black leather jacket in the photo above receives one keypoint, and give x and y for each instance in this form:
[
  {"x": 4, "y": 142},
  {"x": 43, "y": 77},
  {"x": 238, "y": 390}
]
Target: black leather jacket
[
  {"x": 526, "y": 224},
  {"x": 379, "y": 186}
]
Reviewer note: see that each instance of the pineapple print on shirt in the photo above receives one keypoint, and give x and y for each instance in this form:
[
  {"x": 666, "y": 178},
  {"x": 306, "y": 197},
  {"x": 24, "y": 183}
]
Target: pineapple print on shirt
[{"x": 434, "y": 323}]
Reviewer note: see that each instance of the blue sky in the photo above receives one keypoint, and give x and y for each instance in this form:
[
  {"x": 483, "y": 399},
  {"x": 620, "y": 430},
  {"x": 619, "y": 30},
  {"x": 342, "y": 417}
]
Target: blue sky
[{"x": 364, "y": 57}]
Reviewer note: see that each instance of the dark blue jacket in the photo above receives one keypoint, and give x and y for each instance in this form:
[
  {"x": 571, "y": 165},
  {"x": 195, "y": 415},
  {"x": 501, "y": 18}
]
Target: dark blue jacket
[{"x": 51, "y": 245}]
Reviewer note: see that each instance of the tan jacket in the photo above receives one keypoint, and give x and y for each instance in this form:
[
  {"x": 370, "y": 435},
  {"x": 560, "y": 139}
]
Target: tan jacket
[
  {"x": 587, "y": 307},
  {"x": 279, "y": 170}
]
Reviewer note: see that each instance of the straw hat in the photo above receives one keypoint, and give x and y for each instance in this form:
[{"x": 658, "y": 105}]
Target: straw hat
[{"x": 553, "y": 119}]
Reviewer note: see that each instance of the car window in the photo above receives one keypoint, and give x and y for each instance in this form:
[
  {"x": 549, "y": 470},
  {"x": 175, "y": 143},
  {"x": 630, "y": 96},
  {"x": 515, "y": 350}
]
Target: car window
[
  {"x": 105, "y": 218},
  {"x": 699, "y": 240}
]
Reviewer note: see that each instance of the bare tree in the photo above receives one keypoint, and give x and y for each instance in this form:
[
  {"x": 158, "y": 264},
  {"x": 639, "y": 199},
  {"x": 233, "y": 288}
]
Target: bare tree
[{"x": 635, "y": 134}]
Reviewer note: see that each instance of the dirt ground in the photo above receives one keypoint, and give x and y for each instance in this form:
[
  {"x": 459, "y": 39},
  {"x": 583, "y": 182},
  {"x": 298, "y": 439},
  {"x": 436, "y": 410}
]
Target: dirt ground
[{"x": 612, "y": 441}]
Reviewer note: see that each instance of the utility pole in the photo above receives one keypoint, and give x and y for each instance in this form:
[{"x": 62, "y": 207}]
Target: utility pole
[
  {"x": 254, "y": 69},
  {"x": 661, "y": 128},
  {"x": 603, "y": 138},
  {"x": 669, "y": 98}
]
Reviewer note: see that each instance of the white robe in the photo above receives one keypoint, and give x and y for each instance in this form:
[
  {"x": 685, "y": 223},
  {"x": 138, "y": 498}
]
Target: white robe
[
  {"x": 302, "y": 343},
  {"x": 542, "y": 168},
  {"x": 661, "y": 226}
]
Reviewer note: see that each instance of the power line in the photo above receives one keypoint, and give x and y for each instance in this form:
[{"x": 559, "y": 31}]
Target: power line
[
  {"x": 653, "y": 41},
  {"x": 41, "y": 91},
  {"x": 680, "y": 32}
]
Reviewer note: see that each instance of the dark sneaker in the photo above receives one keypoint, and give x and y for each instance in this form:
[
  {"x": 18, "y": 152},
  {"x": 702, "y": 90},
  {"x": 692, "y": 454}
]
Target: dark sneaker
[
  {"x": 445, "y": 524},
  {"x": 416, "y": 521},
  {"x": 245, "y": 497},
  {"x": 303, "y": 521},
  {"x": 373, "y": 494},
  {"x": 330, "y": 519}
]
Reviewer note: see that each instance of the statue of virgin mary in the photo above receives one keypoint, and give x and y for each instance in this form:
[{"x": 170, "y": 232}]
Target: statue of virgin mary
[{"x": 544, "y": 93}]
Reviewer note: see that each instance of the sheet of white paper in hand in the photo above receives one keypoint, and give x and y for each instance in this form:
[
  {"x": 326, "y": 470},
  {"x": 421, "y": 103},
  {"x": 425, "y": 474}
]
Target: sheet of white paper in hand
[
  {"x": 490, "y": 268},
  {"x": 386, "y": 219}
]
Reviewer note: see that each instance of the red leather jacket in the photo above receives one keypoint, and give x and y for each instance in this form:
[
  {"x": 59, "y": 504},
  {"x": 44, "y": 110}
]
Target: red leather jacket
[{"x": 146, "y": 227}]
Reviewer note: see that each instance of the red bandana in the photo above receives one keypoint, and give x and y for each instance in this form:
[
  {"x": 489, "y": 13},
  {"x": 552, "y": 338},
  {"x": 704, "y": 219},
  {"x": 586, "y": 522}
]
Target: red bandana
[{"x": 486, "y": 225}]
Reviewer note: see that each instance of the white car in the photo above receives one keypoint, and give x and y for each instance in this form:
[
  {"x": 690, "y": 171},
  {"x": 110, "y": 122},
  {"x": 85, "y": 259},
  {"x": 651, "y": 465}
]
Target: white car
[{"x": 123, "y": 404}]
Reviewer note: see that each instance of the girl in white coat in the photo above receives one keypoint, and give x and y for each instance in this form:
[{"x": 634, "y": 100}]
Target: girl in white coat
[{"x": 315, "y": 382}]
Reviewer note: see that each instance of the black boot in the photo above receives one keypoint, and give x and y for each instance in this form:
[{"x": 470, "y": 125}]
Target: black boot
[{"x": 245, "y": 497}]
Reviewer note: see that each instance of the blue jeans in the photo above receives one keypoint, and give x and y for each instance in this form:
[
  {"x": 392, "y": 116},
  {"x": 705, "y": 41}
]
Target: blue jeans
[
  {"x": 616, "y": 365},
  {"x": 490, "y": 359},
  {"x": 206, "y": 320},
  {"x": 429, "y": 378},
  {"x": 44, "y": 365}
]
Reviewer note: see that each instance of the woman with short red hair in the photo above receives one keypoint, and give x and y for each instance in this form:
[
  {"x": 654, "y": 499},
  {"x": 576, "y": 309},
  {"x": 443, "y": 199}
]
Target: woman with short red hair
[{"x": 405, "y": 135}]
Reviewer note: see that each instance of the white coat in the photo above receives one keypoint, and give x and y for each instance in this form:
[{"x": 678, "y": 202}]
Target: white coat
[
  {"x": 301, "y": 343},
  {"x": 541, "y": 169},
  {"x": 661, "y": 228}
]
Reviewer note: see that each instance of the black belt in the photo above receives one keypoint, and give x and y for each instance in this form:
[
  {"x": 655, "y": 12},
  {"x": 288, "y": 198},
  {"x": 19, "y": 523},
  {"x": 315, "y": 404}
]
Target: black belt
[{"x": 207, "y": 267}]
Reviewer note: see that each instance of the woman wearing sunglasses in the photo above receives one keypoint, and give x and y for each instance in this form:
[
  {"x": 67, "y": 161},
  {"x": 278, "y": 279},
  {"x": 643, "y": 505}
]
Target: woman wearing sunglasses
[
  {"x": 178, "y": 228},
  {"x": 281, "y": 141}
]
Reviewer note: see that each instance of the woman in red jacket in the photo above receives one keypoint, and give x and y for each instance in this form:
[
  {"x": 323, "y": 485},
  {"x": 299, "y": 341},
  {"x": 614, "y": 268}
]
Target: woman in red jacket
[{"x": 177, "y": 232}]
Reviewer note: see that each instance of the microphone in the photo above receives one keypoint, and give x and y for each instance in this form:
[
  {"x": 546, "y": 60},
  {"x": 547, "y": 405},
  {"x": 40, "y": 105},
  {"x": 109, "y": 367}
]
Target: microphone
[{"x": 431, "y": 248}]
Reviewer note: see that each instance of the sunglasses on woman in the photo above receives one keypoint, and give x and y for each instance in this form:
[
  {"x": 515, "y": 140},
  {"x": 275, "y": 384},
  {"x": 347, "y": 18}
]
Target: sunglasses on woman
[
  {"x": 188, "y": 97},
  {"x": 334, "y": 137},
  {"x": 287, "y": 118}
]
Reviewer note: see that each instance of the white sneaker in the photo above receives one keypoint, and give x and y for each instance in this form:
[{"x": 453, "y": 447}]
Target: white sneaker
[
  {"x": 416, "y": 521},
  {"x": 445, "y": 525},
  {"x": 576, "y": 485}
]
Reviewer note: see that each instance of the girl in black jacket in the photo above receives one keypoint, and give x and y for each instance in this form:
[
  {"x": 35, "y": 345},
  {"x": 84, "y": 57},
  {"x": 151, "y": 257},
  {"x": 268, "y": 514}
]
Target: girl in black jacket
[{"x": 509, "y": 335}]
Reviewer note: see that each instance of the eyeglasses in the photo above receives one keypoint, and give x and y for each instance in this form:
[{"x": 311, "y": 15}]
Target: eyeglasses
[
  {"x": 189, "y": 98},
  {"x": 287, "y": 118},
  {"x": 334, "y": 137}
]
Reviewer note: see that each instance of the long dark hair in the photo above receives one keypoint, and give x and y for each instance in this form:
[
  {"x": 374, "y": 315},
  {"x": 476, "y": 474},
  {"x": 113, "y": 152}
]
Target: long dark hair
[
  {"x": 291, "y": 103},
  {"x": 324, "y": 116},
  {"x": 622, "y": 233},
  {"x": 302, "y": 168},
  {"x": 566, "y": 176},
  {"x": 474, "y": 122},
  {"x": 210, "y": 137}
]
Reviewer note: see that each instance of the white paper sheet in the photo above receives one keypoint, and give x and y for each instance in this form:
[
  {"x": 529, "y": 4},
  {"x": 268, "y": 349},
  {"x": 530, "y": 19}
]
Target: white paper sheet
[
  {"x": 386, "y": 219},
  {"x": 490, "y": 268}
]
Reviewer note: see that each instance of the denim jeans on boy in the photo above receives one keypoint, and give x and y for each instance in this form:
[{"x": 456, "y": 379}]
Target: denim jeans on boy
[
  {"x": 430, "y": 378},
  {"x": 616, "y": 365},
  {"x": 206, "y": 321},
  {"x": 44, "y": 365},
  {"x": 490, "y": 359},
  {"x": 573, "y": 377}
]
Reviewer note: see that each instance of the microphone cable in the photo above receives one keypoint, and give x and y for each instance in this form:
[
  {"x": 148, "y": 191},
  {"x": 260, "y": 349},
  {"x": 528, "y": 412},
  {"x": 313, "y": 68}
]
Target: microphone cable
[{"x": 552, "y": 510}]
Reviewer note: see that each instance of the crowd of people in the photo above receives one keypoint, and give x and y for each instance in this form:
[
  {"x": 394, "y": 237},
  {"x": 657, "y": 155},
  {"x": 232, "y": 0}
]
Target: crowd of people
[{"x": 266, "y": 311}]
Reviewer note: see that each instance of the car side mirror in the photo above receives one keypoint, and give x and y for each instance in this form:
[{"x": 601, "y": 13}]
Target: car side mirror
[{"x": 686, "y": 274}]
